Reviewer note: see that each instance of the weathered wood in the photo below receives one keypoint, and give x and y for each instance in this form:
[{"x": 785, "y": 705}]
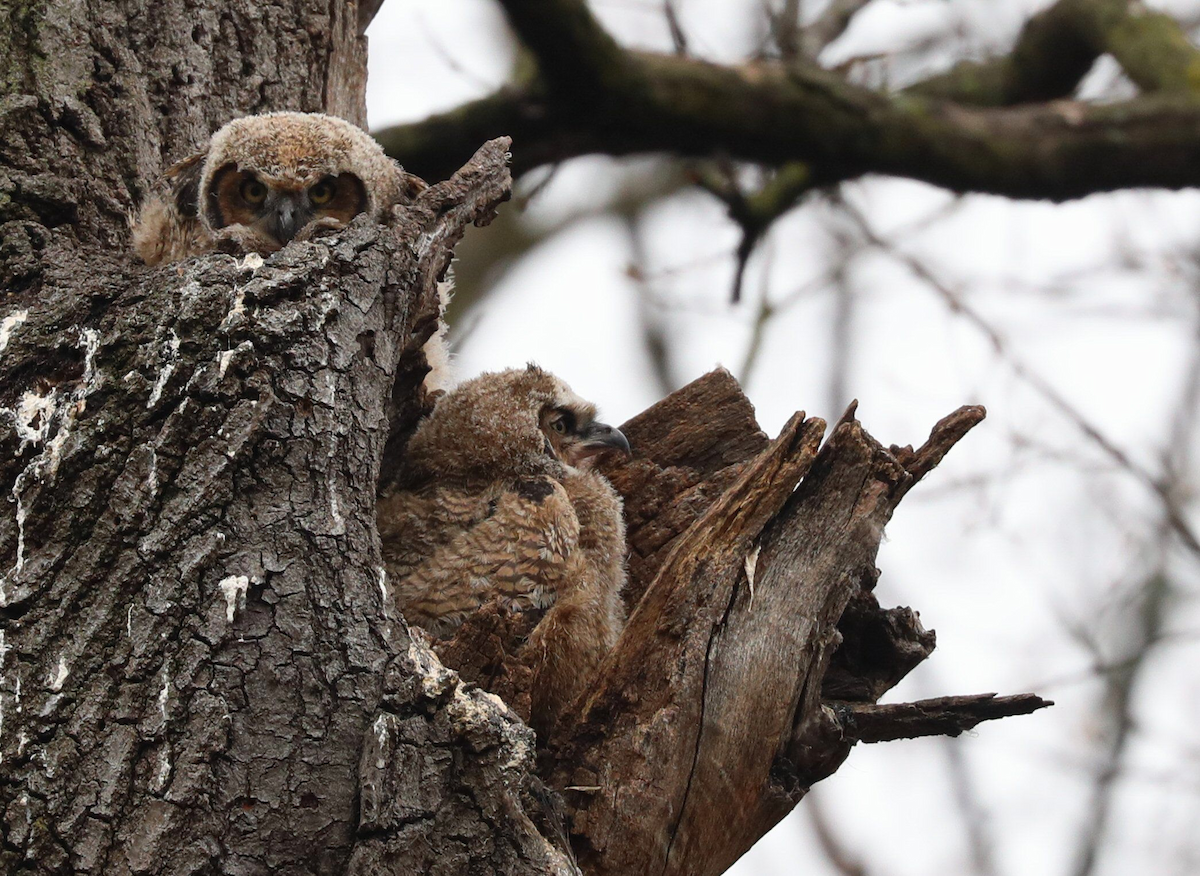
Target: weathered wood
[
  {"x": 941, "y": 716},
  {"x": 687, "y": 450},
  {"x": 710, "y": 721},
  {"x": 638, "y": 732}
]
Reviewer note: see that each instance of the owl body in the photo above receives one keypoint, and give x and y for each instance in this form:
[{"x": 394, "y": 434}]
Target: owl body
[
  {"x": 471, "y": 532},
  {"x": 588, "y": 614},
  {"x": 496, "y": 502}
]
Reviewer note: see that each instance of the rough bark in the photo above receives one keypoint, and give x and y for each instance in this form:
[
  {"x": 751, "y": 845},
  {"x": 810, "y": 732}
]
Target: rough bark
[
  {"x": 193, "y": 637},
  {"x": 197, "y": 673}
]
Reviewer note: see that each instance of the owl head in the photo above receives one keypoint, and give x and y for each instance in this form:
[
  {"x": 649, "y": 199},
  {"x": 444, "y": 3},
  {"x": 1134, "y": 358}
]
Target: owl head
[
  {"x": 278, "y": 172},
  {"x": 269, "y": 177},
  {"x": 524, "y": 421}
]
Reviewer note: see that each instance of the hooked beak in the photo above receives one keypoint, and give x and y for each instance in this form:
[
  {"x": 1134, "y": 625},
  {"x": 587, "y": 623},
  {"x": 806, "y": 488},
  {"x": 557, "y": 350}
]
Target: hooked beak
[
  {"x": 285, "y": 218},
  {"x": 599, "y": 437}
]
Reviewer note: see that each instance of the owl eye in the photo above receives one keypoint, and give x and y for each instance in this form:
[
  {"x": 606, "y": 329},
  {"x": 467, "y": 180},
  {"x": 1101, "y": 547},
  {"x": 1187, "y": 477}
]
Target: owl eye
[
  {"x": 558, "y": 425},
  {"x": 253, "y": 191},
  {"x": 321, "y": 193}
]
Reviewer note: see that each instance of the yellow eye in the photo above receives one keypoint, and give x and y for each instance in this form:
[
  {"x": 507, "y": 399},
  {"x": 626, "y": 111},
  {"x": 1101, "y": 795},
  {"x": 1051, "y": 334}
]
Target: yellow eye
[
  {"x": 321, "y": 193},
  {"x": 558, "y": 426},
  {"x": 253, "y": 192}
]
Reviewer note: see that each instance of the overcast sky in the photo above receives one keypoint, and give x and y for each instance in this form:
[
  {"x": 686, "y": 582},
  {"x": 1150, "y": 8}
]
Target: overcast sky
[{"x": 1027, "y": 531}]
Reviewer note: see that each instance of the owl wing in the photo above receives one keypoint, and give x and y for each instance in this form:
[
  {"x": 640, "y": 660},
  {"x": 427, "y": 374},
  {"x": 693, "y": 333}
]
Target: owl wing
[
  {"x": 520, "y": 551},
  {"x": 585, "y": 621},
  {"x": 183, "y": 178}
]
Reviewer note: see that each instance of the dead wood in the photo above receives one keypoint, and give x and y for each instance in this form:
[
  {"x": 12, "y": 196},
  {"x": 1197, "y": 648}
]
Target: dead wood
[
  {"x": 756, "y": 650},
  {"x": 708, "y": 722}
]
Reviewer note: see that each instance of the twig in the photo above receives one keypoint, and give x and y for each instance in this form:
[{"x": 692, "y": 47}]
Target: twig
[
  {"x": 975, "y": 819},
  {"x": 1146, "y": 630},
  {"x": 678, "y": 35},
  {"x": 1157, "y": 485},
  {"x": 842, "y": 326},
  {"x": 784, "y": 27},
  {"x": 830, "y": 25},
  {"x": 758, "y": 330},
  {"x": 842, "y": 859},
  {"x": 942, "y": 716}
]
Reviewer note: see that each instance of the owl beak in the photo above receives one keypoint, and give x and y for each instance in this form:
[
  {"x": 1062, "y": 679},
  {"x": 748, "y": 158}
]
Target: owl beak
[
  {"x": 285, "y": 218},
  {"x": 598, "y": 437}
]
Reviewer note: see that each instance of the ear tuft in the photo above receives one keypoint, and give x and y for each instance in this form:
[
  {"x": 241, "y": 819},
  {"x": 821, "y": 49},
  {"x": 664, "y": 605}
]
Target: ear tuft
[{"x": 184, "y": 179}]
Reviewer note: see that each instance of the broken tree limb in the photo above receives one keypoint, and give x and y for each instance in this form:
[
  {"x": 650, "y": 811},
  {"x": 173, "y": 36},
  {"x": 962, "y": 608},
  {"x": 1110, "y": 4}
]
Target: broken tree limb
[
  {"x": 942, "y": 716},
  {"x": 709, "y": 722}
]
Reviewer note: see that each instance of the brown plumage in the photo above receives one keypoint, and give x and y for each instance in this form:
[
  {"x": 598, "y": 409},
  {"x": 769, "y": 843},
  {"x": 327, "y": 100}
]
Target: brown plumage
[{"x": 496, "y": 500}]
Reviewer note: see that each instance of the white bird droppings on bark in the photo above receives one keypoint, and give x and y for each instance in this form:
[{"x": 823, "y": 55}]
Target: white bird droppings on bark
[{"x": 234, "y": 587}]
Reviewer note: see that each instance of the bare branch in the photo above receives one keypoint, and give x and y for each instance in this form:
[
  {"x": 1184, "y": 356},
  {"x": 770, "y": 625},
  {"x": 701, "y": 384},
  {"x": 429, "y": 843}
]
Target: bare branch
[
  {"x": 1158, "y": 485},
  {"x": 1117, "y": 711},
  {"x": 844, "y": 860},
  {"x": 593, "y": 96},
  {"x": 943, "y": 716},
  {"x": 1058, "y": 46},
  {"x": 1145, "y": 628},
  {"x": 576, "y": 56},
  {"x": 830, "y": 25},
  {"x": 678, "y": 36},
  {"x": 976, "y": 822}
]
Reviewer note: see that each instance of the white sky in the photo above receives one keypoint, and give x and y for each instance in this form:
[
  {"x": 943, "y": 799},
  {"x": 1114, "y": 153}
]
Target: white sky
[{"x": 1098, "y": 297}]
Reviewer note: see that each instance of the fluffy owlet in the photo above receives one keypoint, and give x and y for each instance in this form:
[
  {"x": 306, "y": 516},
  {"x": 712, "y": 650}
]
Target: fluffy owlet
[
  {"x": 265, "y": 180},
  {"x": 496, "y": 500}
]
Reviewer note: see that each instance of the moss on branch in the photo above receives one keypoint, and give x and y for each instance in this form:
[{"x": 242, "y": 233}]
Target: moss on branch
[
  {"x": 1058, "y": 46},
  {"x": 992, "y": 127}
]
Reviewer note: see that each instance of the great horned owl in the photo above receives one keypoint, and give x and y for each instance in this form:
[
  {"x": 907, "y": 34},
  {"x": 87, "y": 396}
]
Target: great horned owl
[
  {"x": 265, "y": 180},
  {"x": 496, "y": 500}
]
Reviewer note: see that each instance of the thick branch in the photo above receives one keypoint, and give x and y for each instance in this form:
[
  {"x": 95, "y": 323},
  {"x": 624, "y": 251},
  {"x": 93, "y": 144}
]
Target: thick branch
[
  {"x": 578, "y": 58},
  {"x": 1053, "y": 52},
  {"x": 773, "y": 114},
  {"x": 434, "y": 147}
]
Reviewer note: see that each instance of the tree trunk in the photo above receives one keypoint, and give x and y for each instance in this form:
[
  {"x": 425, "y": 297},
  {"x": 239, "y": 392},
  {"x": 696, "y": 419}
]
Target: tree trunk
[{"x": 197, "y": 673}]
